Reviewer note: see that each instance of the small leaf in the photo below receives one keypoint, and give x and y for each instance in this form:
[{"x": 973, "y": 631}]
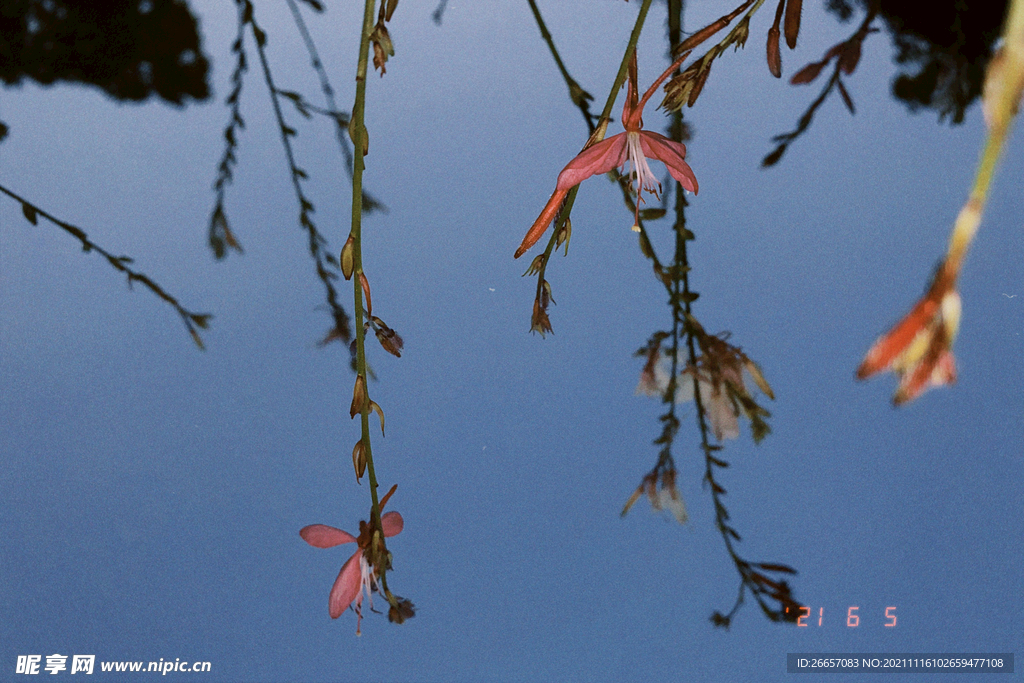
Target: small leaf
[
  {"x": 261, "y": 37},
  {"x": 201, "y": 319},
  {"x": 366, "y": 290},
  {"x": 849, "y": 57},
  {"x": 30, "y": 213},
  {"x": 773, "y": 158},
  {"x": 777, "y": 568},
  {"x": 315, "y": 4},
  {"x": 807, "y": 74},
  {"x": 846, "y": 96},
  {"x": 652, "y": 214}
]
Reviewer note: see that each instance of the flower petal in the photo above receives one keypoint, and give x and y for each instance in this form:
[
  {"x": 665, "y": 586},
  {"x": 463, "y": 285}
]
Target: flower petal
[
  {"x": 594, "y": 160},
  {"x": 723, "y": 417},
  {"x": 540, "y": 226},
  {"x": 936, "y": 368},
  {"x": 346, "y": 586},
  {"x": 392, "y": 523},
  {"x": 323, "y": 536},
  {"x": 670, "y": 153},
  {"x": 889, "y": 346}
]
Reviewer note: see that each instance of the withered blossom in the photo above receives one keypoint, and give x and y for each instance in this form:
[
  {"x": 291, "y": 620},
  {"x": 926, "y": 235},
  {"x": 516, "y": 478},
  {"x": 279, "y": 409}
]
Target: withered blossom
[
  {"x": 721, "y": 373},
  {"x": 659, "y": 485}
]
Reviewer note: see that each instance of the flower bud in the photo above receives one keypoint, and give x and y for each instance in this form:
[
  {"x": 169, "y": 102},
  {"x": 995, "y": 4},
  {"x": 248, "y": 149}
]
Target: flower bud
[
  {"x": 359, "y": 459},
  {"x": 564, "y": 235},
  {"x": 348, "y": 257}
]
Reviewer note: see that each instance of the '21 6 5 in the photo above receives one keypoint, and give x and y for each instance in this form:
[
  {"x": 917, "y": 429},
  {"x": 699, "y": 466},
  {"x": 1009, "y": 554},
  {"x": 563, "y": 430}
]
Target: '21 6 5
[{"x": 852, "y": 618}]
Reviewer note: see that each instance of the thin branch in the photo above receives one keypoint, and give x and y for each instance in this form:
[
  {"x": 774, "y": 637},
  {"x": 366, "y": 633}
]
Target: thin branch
[
  {"x": 325, "y": 263},
  {"x": 192, "y": 320},
  {"x": 370, "y": 204}
]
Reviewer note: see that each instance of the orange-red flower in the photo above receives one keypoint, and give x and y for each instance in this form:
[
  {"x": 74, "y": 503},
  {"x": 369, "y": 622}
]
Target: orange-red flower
[
  {"x": 919, "y": 347},
  {"x": 634, "y": 145}
]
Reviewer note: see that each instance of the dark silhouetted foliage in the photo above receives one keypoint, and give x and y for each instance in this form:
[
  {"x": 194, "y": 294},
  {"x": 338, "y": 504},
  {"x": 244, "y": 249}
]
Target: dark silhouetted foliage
[{"x": 131, "y": 49}]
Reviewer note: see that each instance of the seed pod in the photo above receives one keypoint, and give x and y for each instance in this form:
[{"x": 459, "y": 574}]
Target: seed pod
[
  {"x": 348, "y": 257},
  {"x": 358, "y": 396},
  {"x": 359, "y": 459}
]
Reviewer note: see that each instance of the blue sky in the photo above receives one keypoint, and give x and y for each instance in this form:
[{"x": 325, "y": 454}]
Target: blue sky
[{"x": 152, "y": 494}]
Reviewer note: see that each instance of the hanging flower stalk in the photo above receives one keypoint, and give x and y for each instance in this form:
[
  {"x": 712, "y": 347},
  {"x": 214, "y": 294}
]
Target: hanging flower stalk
[
  {"x": 919, "y": 348},
  {"x": 366, "y": 570}
]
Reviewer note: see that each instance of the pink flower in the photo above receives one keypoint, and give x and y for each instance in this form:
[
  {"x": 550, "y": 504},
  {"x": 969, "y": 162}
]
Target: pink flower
[
  {"x": 357, "y": 576},
  {"x": 634, "y": 145},
  {"x": 918, "y": 348}
]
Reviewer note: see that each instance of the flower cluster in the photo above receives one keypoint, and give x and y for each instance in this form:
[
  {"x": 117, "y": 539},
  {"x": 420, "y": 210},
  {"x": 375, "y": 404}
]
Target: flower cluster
[{"x": 719, "y": 374}]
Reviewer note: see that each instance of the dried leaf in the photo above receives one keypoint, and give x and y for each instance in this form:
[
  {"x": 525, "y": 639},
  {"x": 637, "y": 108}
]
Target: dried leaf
[
  {"x": 850, "y": 56},
  {"x": 807, "y": 74},
  {"x": 380, "y": 413},
  {"x": 759, "y": 380},
  {"x": 698, "y": 85},
  {"x": 366, "y": 291}
]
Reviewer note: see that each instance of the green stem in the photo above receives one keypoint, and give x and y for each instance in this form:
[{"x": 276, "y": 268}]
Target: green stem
[
  {"x": 578, "y": 95},
  {"x": 620, "y": 78},
  {"x": 359, "y": 136},
  {"x": 1004, "y": 81}
]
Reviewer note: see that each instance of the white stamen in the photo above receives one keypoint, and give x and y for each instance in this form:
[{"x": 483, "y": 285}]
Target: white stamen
[
  {"x": 645, "y": 179},
  {"x": 368, "y": 584}
]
